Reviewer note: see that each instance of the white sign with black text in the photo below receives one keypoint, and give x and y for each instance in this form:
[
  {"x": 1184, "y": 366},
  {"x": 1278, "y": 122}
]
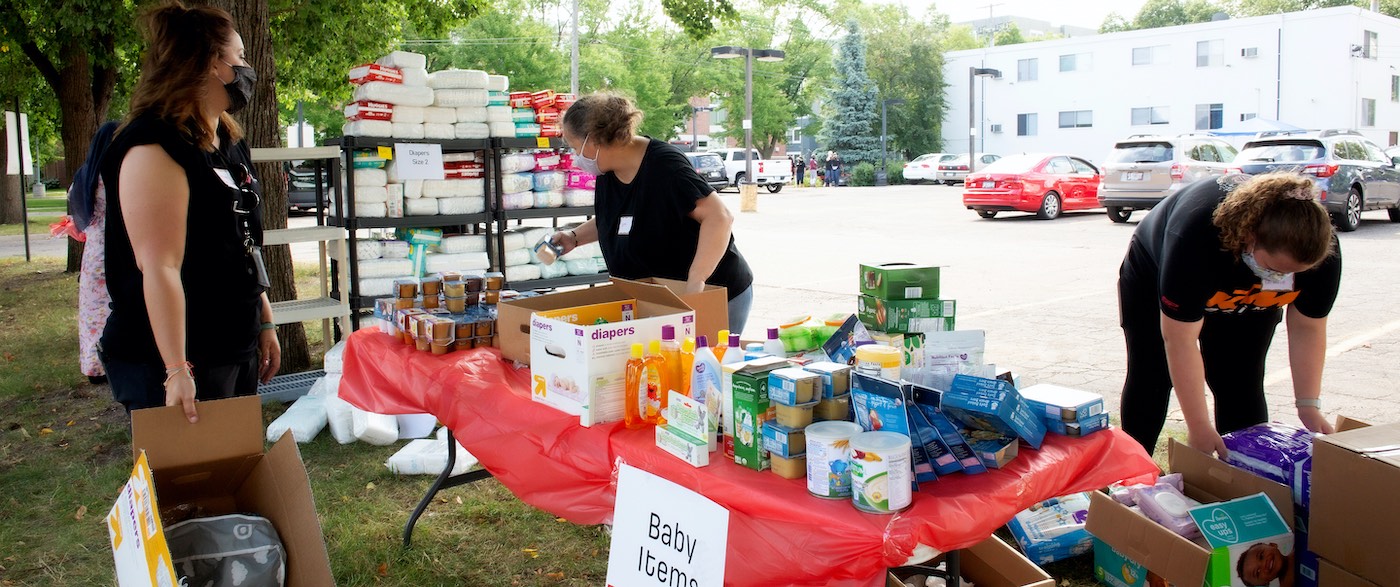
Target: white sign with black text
[
  {"x": 418, "y": 161},
  {"x": 665, "y": 534}
]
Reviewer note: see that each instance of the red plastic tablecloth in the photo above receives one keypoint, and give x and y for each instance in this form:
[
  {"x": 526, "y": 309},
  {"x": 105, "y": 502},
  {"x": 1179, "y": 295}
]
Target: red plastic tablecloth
[{"x": 778, "y": 533}]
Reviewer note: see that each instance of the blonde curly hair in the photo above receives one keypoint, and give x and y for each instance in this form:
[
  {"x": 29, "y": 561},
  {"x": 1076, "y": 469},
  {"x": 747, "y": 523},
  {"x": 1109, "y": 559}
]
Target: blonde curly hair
[{"x": 1277, "y": 212}]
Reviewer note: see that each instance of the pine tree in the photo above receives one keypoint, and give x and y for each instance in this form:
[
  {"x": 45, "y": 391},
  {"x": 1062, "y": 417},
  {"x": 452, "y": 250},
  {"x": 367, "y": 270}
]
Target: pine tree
[{"x": 850, "y": 127}]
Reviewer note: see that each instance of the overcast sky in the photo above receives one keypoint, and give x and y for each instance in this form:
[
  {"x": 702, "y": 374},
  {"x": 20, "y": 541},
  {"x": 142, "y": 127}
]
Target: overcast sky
[{"x": 1084, "y": 13}]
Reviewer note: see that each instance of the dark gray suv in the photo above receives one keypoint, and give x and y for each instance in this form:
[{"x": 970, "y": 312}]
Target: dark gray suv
[
  {"x": 711, "y": 168},
  {"x": 1352, "y": 173}
]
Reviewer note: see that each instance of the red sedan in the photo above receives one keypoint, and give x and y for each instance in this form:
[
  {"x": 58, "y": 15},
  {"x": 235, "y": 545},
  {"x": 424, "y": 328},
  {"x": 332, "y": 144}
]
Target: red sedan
[{"x": 1046, "y": 184}]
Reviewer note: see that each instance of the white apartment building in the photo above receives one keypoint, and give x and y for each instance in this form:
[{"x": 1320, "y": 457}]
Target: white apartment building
[{"x": 1327, "y": 68}]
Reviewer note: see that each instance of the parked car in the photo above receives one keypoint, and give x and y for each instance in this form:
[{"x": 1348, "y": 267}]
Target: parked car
[
  {"x": 770, "y": 173},
  {"x": 1044, "y": 183},
  {"x": 925, "y": 167},
  {"x": 1142, "y": 170},
  {"x": 711, "y": 168},
  {"x": 955, "y": 170},
  {"x": 301, "y": 185},
  {"x": 1352, "y": 174}
]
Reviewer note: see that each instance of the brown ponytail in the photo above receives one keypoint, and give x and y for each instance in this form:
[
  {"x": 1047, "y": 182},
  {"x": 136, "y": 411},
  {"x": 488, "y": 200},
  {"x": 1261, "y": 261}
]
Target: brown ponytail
[
  {"x": 180, "y": 44},
  {"x": 1277, "y": 212},
  {"x": 607, "y": 118}
]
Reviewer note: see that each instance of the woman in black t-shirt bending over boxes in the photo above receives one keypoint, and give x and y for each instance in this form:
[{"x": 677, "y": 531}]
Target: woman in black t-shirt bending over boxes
[
  {"x": 1201, "y": 291},
  {"x": 655, "y": 216}
]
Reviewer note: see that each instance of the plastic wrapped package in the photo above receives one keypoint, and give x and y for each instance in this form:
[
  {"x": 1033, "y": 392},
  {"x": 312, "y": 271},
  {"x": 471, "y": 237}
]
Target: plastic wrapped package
[
  {"x": 1277, "y": 452},
  {"x": 396, "y": 94},
  {"x": 1053, "y": 529},
  {"x": 385, "y": 267},
  {"x": 340, "y": 416},
  {"x": 368, "y": 128},
  {"x": 512, "y": 182},
  {"x": 374, "y": 72},
  {"x": 334, "y": 361},
  {"x": 460, "y": 157},
  {"x": 395, "y": 249},
  {"x": 575, "y": 198},
  {"x": 376, "y": 286},
  {"x": 495, "y": 98},
  {"x": 412, "y": 188},
  {"x": 415, "y": 76},
  {"x": 471, "y": 114},
  {"x": 364, "y": 249},
  {"x": 420, "y": 207},
  {"x": 522, "y": 115},
  {"x": 580, "y": 181},
  {"x": 504, "y": 130},
  {"x": 522, "y": 272},
  {"x": 466, "y": 205},
  {"x": 454, "y": 188},
  {"x": 404, "y": 60},
  {"x": 499, "y": 114},
  {"x": 549, "y": 181},
  {"x": 497, "y": 83},
  {"x": 517, "y": 163},
  {"x": 458, "y": 78},
  {"x": 371, "y": 195},
  {"x": 304, "y": 419},
  {"x": 415, "y": 425},
  {"x": 394, "y": 198},
  {"x": 376, "y": 429},
  {"x": 584, "y": 251},
  {"x": 408, "y": 114},
  {"x": 444, "y": 132},
  {"x": 463, "y": 243},
  {"x": 516, "y": 257},
  {"x": 223, "y": 551},
  {"x": 514, "y": 239},
  {"x": 553, "y": 271},
  {"x": 327, "y": 385},
  {"x": 602, "y": 264},
  {"x": 547, "y": 161},
  {"x": 472, "y": 130},
  {"x": 371, "y": 178},
  {"x": 365, "y": 210},
  {"x": 408, "y": 130},
  {"x": 518, "y": 201},
  {"x": 369, "y": 111},
  {"x": 429, "y": 457},
  {"x": 554, "y": 199},
  {"x": 534, "y": 234},
  {"x": 1164, "y": 504},
  {"x": 458, "y": 262},
  {"x": 587, "y": 266},
  {"x": 439, "y": 115},
  {"x": 527, "y": 129},
  {"x": 457, "y": 98}
]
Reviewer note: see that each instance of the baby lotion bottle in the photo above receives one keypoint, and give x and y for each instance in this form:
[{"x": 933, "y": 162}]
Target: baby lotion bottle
[
  {"x": 705, "y": 387},
  {"x": 635, "y": 395},
  {"x": 671, "y": 351},
  {"x": 774, "y": 345},
  {"x": 687, "y": 361},
  {"x": 658, "y": 382},
  {"x": 721, "y": 346}
]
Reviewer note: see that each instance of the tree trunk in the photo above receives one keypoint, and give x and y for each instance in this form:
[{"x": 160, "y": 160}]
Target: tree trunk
[
  {"x": 11, "y": 195},
  {"x": 260, "y": 122},
  {"x": 78, "y": 123}
]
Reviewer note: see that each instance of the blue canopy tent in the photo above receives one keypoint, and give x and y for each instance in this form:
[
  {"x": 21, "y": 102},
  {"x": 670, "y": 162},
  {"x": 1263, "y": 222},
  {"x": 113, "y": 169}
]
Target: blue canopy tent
[{"x": 1255, "y": 126}]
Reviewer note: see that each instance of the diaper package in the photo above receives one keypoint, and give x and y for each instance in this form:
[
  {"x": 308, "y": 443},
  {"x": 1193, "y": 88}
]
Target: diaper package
[
  {"x": 1277, "y": 452},
  {"x": 1053, "y": 530}
]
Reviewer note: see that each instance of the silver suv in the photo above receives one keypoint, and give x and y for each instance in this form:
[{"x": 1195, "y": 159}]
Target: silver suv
[{"x": 1142, "y": 170}]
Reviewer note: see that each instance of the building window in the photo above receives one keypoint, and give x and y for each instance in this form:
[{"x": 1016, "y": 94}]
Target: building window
[
  {"x": 1077, "y": 119},
  {"x": 1210, "y": 116},
  {"x": 1076, "y": 62},
  {"x": 1247, "y": 116},
  {"x": 1369, "y": 49},
  {"x": 1368, "y": 112},
  {"x": 1150, "y": 115},
  {"x": 1026, "y": 123},
  {"x": 718, "y": 116},
  {"x": 1210, "y": 53},
  {"x": 1149, "y": 55},
  {"x": 1395, "y": 88},
  {"x": 1028, "y": 70}
]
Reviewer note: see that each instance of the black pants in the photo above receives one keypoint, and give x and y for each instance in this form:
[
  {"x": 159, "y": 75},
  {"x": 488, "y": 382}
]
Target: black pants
[
  {"x": 142, "y": 385},
  {"x": 1233, "y": 349}
]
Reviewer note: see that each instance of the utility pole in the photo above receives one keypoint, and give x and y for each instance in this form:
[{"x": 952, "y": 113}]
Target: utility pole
[{"x": 573, "y": 61}]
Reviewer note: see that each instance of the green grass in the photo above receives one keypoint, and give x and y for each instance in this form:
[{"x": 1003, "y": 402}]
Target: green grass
[
  {"x": 65, "y": 451},
  {"x": 47, "y": 204},
  {"x": 38, "y": 227}
]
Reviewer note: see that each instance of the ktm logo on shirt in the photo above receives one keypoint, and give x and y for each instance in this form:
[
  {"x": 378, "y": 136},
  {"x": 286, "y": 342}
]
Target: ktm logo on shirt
[{"x": 1254, "y": 298}]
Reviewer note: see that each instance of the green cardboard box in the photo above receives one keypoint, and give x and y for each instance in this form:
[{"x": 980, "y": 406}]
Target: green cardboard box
[
  {"x": 899, "y": 281},
  {"x": 749, "y": 394},
  {"x": 906, "y": 316}
]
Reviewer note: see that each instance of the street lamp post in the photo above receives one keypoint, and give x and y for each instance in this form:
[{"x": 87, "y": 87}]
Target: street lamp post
[
  {"x": 972, "y": 74},
  {"x": 695, "y": 125},
  {"x": 884, "y": 177},
  {"x": 748, "y": 197}
]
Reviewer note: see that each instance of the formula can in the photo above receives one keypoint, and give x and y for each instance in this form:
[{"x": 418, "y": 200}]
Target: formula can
[
  {"x": 879, "y": 360},
  {"x": 828, "y": 459},
  {"x": 880, "y": 472}
]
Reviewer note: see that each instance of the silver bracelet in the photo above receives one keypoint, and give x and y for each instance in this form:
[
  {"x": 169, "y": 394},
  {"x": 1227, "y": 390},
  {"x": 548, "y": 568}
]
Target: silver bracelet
[{"x": 1308, "y": 403}]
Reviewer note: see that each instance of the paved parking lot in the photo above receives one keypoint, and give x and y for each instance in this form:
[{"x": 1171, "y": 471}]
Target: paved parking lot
[{"x": 1044, "y": 291}]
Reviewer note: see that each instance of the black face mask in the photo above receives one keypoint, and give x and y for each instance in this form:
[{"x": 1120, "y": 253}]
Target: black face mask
[{"x": 240, "y": 90}]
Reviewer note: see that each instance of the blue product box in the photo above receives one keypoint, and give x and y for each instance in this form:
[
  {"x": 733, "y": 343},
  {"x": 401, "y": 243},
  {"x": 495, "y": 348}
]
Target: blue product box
[
  {"x": 1053, "y": 530},
  {"x": 940, "y": 455},
  {"x": 836, "y": 378},
  {"x": 1306, "y": 560},
  {"x": 994, "y": 449},
  {"x": 1077, "y": 429},
  {"x": 881, "y": 405},
  {"x": 792, "y": 386},
  {"x": 1235, "y": 529},
  {"x": 1055, "y": 403},
  {"x": 992, "y": 405},
  {"x": 948, "y": 432},
  {"x": 1114, "y": 569},
  {"x": 784, "y": 441}
]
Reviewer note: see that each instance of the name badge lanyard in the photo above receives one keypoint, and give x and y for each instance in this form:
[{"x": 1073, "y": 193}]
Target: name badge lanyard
[{"x": 243, "y": 193}]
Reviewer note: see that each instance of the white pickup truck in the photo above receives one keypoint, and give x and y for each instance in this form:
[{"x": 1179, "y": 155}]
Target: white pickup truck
[{"x": 770, "y": 173}]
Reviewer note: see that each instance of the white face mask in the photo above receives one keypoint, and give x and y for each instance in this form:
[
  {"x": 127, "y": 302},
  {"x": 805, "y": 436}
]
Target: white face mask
[
  {"x": 1268, "y": 275},
  {"x": 584, "y": 164}
]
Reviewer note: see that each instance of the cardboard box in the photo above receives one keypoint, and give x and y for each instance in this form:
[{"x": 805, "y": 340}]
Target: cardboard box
[
  {"x": 1355, "y": 516},
  {"x": 906, "y": 316},
  {"x": 992, "y": 405},
  {"x": 995, "y": 451},
  {"x": 218, "y": 465},
  {"x": 685, "y": 433},
  {"x": 792, "y": 386},
  {"x": 991, "y": 563},
  {"x": 1062, "y": 404},
  {"x": 1240, "y": 532},
  {"x": 711, "y": 307},
  {"x": 1114, "y": 569},
  {"x": 912, "y": 344},
  {"x": 1159, "y": 550},
  {"x": 748, "y": 385},
  {"x": 513, "y": 317},
  {"x": 899, "y": 281},
  {"x": 581, "y": 368},
  {"x": 1332, "y": 575},
  {"x": 1077, "y": 429}
]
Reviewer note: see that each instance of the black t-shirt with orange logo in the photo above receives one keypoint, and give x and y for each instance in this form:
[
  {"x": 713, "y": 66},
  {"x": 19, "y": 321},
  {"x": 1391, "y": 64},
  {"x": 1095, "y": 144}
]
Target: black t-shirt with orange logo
[{"x": 1178, "y": 249}]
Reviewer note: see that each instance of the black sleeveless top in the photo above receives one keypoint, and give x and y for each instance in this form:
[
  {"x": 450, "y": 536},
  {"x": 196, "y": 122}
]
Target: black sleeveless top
[{"x": 222, "y": 303}]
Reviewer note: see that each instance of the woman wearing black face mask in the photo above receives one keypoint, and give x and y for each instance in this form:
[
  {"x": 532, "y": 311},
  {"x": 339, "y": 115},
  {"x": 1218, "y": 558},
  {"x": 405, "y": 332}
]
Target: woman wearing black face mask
[{"x": 190, "y": 316}]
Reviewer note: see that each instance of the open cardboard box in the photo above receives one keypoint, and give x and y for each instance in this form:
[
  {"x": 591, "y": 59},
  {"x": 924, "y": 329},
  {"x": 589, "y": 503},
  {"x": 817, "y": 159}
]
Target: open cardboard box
[
  {"x": 217, "y": 465},
  {"x": 1334, "y": 576},
  {"x": 1178, "y": 560},
  {"x": 711, "y": 307},
  {"x": 991, "y": 563},
  {"x": 513, "y": 317},
  {"x": 1355, "y": 517}
]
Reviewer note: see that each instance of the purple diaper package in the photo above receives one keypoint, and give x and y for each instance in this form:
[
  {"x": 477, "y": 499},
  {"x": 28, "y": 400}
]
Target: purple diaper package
[
  {"x": 1166, "y": 505},
  {"x": 1276, "y": 452}
]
